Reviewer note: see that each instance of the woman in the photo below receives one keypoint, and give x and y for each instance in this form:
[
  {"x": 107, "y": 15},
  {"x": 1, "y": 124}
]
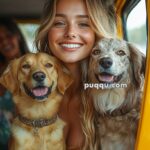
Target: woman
[
  {"x": 68, "y": 31},
  {"x": 12, "y": 45}
]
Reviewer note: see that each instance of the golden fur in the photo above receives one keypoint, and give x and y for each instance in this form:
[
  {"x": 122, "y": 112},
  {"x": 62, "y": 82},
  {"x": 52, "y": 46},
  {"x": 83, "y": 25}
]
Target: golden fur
[
  {"x": 115, "y": 111},
  {"x": 36, "y": 72}
]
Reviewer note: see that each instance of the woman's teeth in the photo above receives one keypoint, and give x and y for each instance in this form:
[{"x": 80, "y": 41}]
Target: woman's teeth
[{"x": 71, "y": 45}]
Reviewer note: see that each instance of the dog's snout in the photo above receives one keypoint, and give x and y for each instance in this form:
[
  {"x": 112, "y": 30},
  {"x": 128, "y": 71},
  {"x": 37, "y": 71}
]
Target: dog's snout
[
  {"x": 39, "y": 76},
  {"x": 106, "y": 62}
]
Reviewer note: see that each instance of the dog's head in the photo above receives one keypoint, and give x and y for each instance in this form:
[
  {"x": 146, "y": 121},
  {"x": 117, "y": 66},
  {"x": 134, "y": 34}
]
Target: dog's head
[
  {"x": 36, "y": 76},
  {"x": 116, "y": 61}
]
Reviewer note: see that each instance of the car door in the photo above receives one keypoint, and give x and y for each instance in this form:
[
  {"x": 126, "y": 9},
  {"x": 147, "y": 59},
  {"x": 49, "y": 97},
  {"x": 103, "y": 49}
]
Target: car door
[{"x": 123, "y": 9}]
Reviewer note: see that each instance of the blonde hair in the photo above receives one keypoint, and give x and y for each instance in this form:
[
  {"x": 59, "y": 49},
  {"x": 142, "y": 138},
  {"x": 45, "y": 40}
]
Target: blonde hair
[
  {"x": 102, "y": 18},
  {"x": 49, "y": 12}
]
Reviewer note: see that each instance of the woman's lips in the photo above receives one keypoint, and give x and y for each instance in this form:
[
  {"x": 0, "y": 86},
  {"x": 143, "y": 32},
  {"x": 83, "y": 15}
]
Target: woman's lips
[{"x": 70, "y": 46}]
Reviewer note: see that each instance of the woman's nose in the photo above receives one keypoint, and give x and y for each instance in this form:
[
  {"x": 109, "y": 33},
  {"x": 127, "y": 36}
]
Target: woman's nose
[{"x": 71, "y": 32}]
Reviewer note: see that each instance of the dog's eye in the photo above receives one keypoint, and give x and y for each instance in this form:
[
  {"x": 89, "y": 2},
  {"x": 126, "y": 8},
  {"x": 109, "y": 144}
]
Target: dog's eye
[
  {"x": 120, "y": 52},
  {"x": 96, "y": 52},
  {"x": 26, "y": 66},
  {"x": 48, "y": 65}
]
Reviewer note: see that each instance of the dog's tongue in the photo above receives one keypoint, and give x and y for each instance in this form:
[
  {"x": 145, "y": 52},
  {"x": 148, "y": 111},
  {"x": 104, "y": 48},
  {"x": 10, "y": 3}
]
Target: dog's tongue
[
  {"x": 106, "y": 78},
  {"x": 41, "y": 91}
]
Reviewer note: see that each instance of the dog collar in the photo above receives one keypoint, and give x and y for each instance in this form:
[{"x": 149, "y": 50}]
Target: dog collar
[{"x": 37, "y": 123}]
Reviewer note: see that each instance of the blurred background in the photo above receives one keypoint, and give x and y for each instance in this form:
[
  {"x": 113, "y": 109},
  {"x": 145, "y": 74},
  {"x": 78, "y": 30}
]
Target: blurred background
[{"x": 136, "y": 26}]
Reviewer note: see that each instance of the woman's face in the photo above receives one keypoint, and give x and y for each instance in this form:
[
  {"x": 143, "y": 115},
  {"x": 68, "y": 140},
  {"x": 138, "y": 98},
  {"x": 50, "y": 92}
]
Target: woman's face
[
  {"x": 9, "y": 45},
  {"x": 71, "y": 37}
]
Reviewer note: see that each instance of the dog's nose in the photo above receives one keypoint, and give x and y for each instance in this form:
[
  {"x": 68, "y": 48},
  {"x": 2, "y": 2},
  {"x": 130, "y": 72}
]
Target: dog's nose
[
  {"x": 39, "y": 76},
  {"x": 106, "y": 62}
]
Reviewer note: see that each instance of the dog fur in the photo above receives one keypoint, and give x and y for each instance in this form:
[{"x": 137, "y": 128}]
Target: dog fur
[
  {"x": 115, "y": 61},
  {"x": 37, "y": 82}
]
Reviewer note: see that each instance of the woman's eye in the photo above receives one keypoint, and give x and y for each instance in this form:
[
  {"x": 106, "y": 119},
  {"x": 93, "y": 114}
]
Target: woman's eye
[
  {"x": 96, "y": 52},
  {"x": 48, "y": 65},
  {"x": 26, "y": 66},
  {"x": 84, "y": 25},
  {"x": 120, "y": 53},
  {"x": 59, "y": 24}
]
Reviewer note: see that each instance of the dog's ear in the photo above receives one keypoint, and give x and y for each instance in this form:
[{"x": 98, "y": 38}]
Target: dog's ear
[
  {"x": 138, "y": 62},
  {"x": 64, "y": 78},
  {"x": 9, "y": 78}
]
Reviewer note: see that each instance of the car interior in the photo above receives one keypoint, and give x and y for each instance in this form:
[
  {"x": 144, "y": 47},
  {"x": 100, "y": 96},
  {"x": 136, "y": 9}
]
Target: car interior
[{"x": 28, "y": 13}]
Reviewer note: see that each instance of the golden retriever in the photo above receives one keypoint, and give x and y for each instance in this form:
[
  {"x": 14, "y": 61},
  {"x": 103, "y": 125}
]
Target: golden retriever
[
  {"x": 116, "y": 75},
  {"x": 37, "y": 82}
]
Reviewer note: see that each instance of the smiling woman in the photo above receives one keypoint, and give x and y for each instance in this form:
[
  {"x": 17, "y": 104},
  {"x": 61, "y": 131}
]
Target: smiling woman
[
  {"x": 12, "y": 43},
  {"x": 68, "y": 31}
]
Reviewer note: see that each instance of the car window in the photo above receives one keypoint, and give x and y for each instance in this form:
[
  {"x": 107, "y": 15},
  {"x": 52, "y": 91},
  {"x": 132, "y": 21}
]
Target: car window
[
  {"x": 136, "y": 26},
  {"x": 29, "y": 31}
]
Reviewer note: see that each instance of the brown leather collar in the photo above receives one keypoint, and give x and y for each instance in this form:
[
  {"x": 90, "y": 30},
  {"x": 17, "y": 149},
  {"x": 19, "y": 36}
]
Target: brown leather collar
[{"x": 37, "y": 123}]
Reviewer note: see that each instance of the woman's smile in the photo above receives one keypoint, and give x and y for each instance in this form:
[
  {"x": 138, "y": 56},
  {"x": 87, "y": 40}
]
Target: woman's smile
[{"x": 70, "y": 46}]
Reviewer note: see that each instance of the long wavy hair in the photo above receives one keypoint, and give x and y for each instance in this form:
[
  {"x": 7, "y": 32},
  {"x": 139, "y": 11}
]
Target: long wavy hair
[{"x": 102, "y": 16}]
